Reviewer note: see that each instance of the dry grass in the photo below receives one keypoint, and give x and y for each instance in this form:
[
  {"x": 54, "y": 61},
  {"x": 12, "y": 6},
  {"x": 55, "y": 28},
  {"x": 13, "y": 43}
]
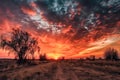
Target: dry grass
[{"x": 61, "y": 70}]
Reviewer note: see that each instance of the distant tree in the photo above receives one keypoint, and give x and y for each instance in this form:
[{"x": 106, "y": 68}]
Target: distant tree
[
  {"x": 92, "y": 57},
  {"x": 21, "y": 44},
  {"x": 81, "y": 59},
  {"x": 62, "y": 58},
  {"x": 111, "y": 54},
  {"x": 100, "y": 58},
  {"x": 42, "y": 57},
  {"x": 87, "y": 58}
]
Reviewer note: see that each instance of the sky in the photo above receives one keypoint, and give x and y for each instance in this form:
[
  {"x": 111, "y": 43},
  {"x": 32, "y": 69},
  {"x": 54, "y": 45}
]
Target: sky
[{"x": 64, "y": 28}]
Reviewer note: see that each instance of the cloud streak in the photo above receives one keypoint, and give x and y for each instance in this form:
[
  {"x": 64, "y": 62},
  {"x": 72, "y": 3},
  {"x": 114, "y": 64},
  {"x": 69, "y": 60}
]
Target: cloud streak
[{"x": 69, "y": 28}]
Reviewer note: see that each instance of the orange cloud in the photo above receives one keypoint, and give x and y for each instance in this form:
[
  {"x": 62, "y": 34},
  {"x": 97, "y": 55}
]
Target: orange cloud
[{"x": 28, "y": 11}]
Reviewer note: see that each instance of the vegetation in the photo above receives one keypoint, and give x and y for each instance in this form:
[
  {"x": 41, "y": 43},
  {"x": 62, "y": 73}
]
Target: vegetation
[
  {"x": 42, "y": 57},
  {"x": 111, "y": 54},
  {"x": 65, "y": 70},
  {"x": 21, "y": 44},
  {"x": 91, "y": 57}
]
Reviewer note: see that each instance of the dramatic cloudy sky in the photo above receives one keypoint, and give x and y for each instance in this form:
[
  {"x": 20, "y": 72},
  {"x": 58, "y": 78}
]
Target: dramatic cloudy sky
[{"x": 69, "y": 28}]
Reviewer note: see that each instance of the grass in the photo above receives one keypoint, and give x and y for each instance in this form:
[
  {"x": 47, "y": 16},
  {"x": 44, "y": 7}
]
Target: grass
[{"x": 61, "y": 70}]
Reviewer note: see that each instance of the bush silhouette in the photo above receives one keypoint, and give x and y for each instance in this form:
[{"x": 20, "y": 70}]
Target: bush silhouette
[
  {"x": 21, "y": 44},
  {"x": 92, "y": 57},
  {"x": 42, "y": 57},
  {"x": 111, "y": 54}
]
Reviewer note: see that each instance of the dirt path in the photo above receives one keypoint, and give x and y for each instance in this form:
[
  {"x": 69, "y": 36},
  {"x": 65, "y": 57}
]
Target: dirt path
[
  {"x": 47, "y": 71},
  {"x": 63, "y": 72},
  {"x": 57, "y": 71}
]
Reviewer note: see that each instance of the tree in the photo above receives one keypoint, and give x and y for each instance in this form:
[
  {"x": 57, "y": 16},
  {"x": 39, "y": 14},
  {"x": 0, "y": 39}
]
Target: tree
[
  {"x": 42, "y": 57},
  {"x": 92, "y": 57},
  {"x": 21, "y": 44},
  {"x": 111, "y": 54}
]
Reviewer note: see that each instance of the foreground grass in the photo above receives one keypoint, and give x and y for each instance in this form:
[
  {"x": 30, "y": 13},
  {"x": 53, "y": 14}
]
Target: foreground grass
[{"x": 61, "y": 70}]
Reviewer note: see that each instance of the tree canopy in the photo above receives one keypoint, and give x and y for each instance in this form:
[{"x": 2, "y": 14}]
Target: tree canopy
[
  {"x": 111, "y": 54},
  {"x": 21, "y": 43}
]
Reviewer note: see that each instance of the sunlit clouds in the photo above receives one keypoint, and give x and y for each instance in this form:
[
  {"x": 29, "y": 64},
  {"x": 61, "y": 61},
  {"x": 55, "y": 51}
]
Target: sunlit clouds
[{"x": 64, "y": 28}]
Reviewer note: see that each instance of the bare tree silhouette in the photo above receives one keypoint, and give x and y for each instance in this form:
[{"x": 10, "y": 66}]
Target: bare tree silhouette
[
  {"x": 21, "y": 44},
  {"x": 111, "y": 54}
]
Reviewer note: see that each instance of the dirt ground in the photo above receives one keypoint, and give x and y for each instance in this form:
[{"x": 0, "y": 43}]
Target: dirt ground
[{"x": 61, "y": 70}]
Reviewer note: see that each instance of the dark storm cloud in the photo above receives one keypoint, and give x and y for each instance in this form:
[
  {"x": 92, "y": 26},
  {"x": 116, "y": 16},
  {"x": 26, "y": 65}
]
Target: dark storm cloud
[
  {"x": 7, "y": 8},
  {"x": 77, "y": 12},
  {"x": 10, "y": 12},
  {"x": 82, "y": 15},
  {"x": 55, "y": 10},
  {"x": 67, "y": 11}
]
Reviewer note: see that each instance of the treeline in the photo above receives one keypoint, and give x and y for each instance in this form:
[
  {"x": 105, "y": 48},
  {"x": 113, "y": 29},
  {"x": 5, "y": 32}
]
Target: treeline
[{"x": 109, "y": 54}]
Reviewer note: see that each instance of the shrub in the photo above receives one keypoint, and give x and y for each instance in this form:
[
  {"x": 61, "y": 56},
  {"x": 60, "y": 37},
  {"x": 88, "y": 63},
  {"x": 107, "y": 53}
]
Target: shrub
[
  {"x": 111, "y": 54},
  {"x": 42, "y": 57}
]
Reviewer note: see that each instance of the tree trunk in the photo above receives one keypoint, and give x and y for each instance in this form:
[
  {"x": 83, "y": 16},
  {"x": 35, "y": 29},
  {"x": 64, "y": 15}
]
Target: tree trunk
[{"x": 21, "y": 60}]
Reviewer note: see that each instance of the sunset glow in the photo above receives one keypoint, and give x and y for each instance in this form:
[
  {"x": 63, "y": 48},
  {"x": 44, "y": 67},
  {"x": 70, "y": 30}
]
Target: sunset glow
[{"x": 67, "y": 30}]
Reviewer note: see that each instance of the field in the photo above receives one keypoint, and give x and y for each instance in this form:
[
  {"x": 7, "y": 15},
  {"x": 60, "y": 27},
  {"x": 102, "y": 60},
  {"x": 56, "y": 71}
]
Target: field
[{"x": 61, "y": 70}]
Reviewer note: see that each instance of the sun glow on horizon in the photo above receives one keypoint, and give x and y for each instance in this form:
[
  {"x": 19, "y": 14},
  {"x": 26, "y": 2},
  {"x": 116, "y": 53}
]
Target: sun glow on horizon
[
  {"x": 65, "y": 29},
  {"x": 55, "y": 56}
]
